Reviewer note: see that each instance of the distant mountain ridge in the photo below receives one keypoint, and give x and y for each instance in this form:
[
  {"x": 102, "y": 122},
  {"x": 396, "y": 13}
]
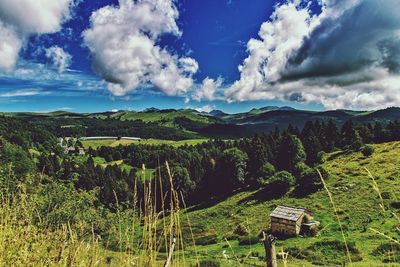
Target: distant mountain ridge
[
  {"x": 270, "y": 117},
  {"x": 220, "y": 123}
]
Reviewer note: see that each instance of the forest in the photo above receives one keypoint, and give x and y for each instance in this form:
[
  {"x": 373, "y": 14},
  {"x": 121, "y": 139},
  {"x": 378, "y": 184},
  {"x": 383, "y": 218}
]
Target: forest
[
  {"x": 274, "y": 161},
  {"x": 97, "y": 196}
]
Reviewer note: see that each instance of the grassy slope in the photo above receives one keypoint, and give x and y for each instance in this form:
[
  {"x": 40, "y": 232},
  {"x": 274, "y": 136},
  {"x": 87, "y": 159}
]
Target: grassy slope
[
  {"x": 158, "y": 116},
  {"x": 114, "y": 143},
  {"x": 358, "y": 207}
]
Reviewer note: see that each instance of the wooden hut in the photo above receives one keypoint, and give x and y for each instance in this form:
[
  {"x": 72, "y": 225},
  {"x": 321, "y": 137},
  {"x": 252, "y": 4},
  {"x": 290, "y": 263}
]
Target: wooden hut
[{"x": 288, "y": 221}]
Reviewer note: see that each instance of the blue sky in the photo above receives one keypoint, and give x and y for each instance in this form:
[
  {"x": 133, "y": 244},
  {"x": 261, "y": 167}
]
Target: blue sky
[{"x": 187, "y": 54}]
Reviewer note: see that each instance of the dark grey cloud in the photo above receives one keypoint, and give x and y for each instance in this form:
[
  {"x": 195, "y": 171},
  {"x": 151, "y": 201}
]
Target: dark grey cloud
[{"x": 362, "y": 36}]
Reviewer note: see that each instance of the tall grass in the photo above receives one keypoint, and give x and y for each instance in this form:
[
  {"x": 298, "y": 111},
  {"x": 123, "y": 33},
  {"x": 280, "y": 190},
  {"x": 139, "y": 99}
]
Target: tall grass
[
  {"x": 146, "y": 242},
  {"x": 376, "y": 189},
  {"x": 22, "y": 243}
]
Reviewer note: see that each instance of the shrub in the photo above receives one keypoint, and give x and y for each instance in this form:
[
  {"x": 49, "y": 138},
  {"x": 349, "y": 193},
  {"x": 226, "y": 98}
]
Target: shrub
[
  {"x": 309, "y": 181},
  {"x": 321, "y": 157},
  {"x": 58, "y": 204},
  {"x": 367, "y": 150},
  {"x": 241, "y": 230},
  {"x": 386, "y": 195},
  {"x": 207, "y": 263},
  {"x": 8, "y": 181},
  {"x": 357, "y": 143},
  {"x": 332, "y": 252},
  {"x": 230, "y": 237},
  {"x": 265, "y": 173},
  {"x": 281, "y": 181},
  {"x": 395, "y": 204},
  {"x": 301, "y": 168},
  {"x": 248, "y": 240},
  {"x": 388, "y": 252},
  {"x": 17, "y": 157},
  {"x": 313, "y": 231},
  {"x": 207, "y": 238}
]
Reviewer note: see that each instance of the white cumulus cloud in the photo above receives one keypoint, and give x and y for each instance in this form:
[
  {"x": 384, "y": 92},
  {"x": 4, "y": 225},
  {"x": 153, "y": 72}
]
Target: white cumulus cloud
[
  {"x": 208, "y": 89},
  {"x": 206, "y": 108},
  {"x": 10, "y": 45},
  {"x": 61, "y": 60},
  {"x": 279, "y": 37},
  {"x": 123, "y": 42},
  {"x": 19, "y": 19}
]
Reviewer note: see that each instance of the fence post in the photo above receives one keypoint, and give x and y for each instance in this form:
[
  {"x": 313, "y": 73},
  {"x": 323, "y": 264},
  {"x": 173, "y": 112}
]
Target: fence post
[{"x": 270, "y": 252}]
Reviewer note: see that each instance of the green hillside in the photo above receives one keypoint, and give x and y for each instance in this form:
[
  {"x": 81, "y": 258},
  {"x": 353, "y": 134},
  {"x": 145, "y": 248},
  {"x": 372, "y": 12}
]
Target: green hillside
[
  {"x": 357, "y": 203},
  {"x": 163, "y": 117},
  {"x": 74, "y": 201}
]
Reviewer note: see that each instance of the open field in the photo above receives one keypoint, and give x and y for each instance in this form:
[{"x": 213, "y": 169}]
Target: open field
[{"x": 113, "y": 143}]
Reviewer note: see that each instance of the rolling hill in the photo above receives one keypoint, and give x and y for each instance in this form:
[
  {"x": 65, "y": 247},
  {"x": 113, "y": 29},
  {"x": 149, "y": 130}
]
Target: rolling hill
[
  {"x": 215, "y": 123},
  {"x": 357, "y": 204}
]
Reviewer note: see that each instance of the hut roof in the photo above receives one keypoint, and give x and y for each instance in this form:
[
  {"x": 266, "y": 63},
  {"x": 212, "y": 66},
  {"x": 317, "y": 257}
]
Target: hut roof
[{"x": 288, "y": 213}]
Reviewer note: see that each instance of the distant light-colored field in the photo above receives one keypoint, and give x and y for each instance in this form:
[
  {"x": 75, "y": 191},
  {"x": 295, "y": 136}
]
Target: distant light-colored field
[{"x": 114, "y": 143}]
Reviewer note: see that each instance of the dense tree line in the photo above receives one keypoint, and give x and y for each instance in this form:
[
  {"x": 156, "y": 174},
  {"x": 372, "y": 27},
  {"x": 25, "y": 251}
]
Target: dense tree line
[
  {"x": 181, "y": 128},
  {"x": 67, "y": 188},
  {"x": 275, "y": 162},
  {"x": 79, "y": 127},
  {"x": 26, "y": 134}
]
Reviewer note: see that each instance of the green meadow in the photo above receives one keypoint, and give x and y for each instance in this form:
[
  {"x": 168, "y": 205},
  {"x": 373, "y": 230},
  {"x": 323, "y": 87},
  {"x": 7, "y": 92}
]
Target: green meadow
[{"x": 113, "y": 143}]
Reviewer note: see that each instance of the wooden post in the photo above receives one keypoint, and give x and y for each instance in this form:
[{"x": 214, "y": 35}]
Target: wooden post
[
  {"x": 270, "y": 253},
  {"x": 171, "y": 251}
]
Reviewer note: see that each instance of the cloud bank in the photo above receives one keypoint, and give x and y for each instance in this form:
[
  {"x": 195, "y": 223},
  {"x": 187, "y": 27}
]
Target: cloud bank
[
  {"x": 19, "y": 19},
  {"x": 123, "y": 42},
  {"x": 346, "y": 57}
]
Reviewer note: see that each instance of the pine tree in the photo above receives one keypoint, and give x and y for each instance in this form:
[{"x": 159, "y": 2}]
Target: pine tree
[
  {"x": 258, "y": 153},
  {"x": 311, "y": 143},
  {"x": 379, "y": 133},
  {"x": 291, "y": 152},
  {"x": 331, "y": 136},
  {"x": 347, "y": 134},
  {"x": 232, "y": 168}
]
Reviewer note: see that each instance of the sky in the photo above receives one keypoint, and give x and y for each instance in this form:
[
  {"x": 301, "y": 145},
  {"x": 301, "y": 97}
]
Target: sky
[{"x": 233, "y": 55}]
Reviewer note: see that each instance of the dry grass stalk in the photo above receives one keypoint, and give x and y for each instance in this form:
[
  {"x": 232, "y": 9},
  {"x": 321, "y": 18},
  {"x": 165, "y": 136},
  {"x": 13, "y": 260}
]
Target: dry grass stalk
[
  {"x": 285, "y": 256},
  {"x": 377, "y": 190},
  {"x": 337, "y": 217},
  {"x": 191, "y": 230},
  {"x": 233, "y": 252},
  {"x": 385, "y": 235}
]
